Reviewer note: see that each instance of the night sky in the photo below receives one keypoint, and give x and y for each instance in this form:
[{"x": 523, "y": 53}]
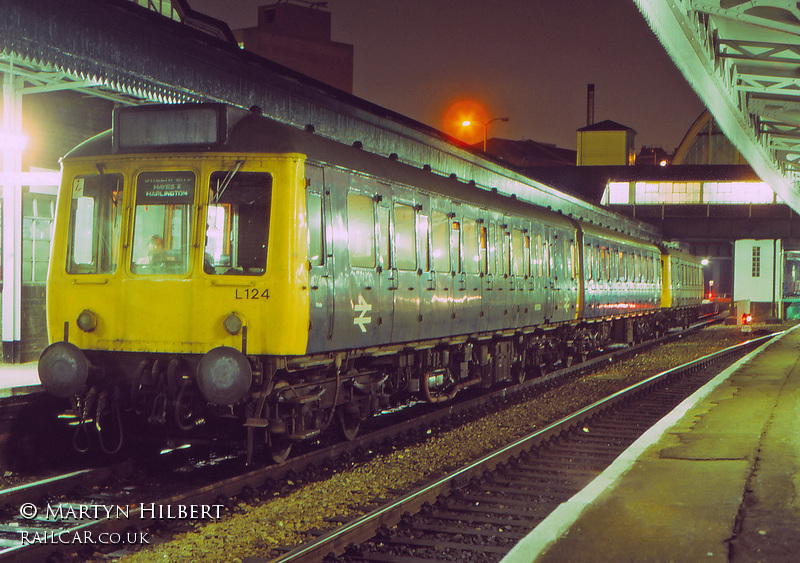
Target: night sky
[{"x": 529, "y": 60}]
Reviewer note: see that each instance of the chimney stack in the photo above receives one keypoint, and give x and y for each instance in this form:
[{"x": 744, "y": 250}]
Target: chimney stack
[{"x": 590, "y": 105}]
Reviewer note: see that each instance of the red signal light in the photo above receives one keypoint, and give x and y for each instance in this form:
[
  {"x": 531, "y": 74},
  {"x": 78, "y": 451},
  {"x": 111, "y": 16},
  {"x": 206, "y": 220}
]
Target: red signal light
[{"x": 746, "y": 319}]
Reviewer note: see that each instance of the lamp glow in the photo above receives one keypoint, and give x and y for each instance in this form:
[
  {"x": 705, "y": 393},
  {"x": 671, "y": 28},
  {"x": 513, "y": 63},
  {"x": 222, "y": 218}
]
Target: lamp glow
[{"x": 12, "y": 141}]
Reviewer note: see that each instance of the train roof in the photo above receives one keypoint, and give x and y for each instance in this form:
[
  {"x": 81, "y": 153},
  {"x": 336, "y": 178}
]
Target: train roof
[{"x": 222, "y": 128}]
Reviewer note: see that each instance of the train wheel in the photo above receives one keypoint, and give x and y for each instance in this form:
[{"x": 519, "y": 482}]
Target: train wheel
[
  {"x": 279, "y": 448},
  {"x": 349, "y": 426}
]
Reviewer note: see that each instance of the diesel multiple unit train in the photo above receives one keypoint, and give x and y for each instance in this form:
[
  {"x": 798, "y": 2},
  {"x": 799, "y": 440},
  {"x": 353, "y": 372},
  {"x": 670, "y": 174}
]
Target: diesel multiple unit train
[{"x": 211, "y": 262}]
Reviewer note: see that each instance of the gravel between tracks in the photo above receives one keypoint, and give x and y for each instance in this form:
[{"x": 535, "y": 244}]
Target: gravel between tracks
[{"x": 257, "y": 527}]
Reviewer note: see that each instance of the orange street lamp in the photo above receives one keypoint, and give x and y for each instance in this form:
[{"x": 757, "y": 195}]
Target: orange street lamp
[{"x": 467, "y": 123}]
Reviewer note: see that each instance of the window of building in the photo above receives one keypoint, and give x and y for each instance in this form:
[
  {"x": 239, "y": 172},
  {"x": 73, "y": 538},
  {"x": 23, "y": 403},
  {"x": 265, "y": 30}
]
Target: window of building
[
  {"x": 37, "y": 228},
  {"x": 756, "y": 264}
]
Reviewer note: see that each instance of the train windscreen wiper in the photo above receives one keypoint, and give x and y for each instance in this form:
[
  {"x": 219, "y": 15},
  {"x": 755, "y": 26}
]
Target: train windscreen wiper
[{"x": 228, "y": 179}]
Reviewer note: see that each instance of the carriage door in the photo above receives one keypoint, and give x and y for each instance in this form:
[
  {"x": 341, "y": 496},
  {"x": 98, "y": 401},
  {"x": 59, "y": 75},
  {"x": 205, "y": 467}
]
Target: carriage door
[
  {"x": 387, "y": 282},
  {"x": 434, "y": 286},
  {"x": 550, "y": 272},
  {"x": 364, "y": 307},
  {"x": 405, "y": 271},
  {"x": 320, "y": 262}
]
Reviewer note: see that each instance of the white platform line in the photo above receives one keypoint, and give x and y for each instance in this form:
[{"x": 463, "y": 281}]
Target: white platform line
[{"x": 562, "y": 518}]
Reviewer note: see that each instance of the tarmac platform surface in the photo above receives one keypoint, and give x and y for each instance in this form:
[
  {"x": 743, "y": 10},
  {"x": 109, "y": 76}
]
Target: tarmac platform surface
[{"x": 716, "y": 480}]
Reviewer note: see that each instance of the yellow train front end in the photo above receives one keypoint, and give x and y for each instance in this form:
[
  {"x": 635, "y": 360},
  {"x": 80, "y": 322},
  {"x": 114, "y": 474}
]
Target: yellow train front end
[
  {"x": 148, "y": 257},
  {"x": 172, "y": 277}
]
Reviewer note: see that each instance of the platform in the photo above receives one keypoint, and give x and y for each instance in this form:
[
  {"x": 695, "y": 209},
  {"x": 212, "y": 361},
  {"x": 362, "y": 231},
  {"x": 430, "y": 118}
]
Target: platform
[
  {"x": 19, "y": 379},
  {"x": 716, "y": 480}
]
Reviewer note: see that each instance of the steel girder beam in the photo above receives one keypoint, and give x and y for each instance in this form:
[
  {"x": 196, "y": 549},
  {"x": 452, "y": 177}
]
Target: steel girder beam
[{"x": 742, "y": 58}]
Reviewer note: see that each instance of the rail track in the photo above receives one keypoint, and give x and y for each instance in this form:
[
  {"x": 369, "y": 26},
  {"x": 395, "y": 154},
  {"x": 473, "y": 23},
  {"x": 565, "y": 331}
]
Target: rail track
[
  {"x": 481, "y": 511},
  {"x": 55, "y": 521}
]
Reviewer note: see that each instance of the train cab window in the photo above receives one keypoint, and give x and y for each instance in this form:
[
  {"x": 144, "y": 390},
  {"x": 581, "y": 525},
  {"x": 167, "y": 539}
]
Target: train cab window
[
  {"x": 405, "y": 237},
  {"x": 162, "y": 222},
  {"x": 440, "y": 242},
  {"x": 517, "y": 252},
  {"x": 94, "y": 224},
  {"x": 237, "y": 224},
  {"x": 361, "y": 230},
  {"x": 470, "y": 238}
]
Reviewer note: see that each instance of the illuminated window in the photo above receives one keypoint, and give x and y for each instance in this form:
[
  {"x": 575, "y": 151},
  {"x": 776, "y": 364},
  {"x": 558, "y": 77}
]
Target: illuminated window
[
  {"x": 237, "y": 225},
  {"x": 471, "y": 257},
  {"x": 361, "y": 230},
  {"x": 405, "y": 237},
  {"x": 162, "y": 222},
  {"x": 37, "y": 226},
  {"x": 756, "y": 262},
  {"x": 425, "y": 243},
  {"x": 95, "y": 224},
  {"x": 539, "y": 261},
  {"x": 315, "y": 252},
  {"x": 618, "y": 193},
  {"x": 440, "y": 233},
  {"x": 588, "y": 256},
  {"x": 517, "y": 252},
  {"x": 385, "y": 245}
]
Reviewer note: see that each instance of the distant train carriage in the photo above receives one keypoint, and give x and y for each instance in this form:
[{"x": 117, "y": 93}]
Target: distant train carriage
[
  {"x": 206, "y": 259},
  {"x": 682, "y": 284}
]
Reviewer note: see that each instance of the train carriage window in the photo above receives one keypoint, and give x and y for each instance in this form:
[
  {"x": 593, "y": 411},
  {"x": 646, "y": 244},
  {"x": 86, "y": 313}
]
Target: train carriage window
[
  {"x": 162, "y": 221},
  {"x": 425, "y": 242},
  {"x": 505, "y": 251},
  {"x": 484, "y": 249},
  {"x": 316, "y": 255},
  {"x": 517, "y": 252},
  {"x": 361, "y": 230},
  {"x": 569, "y": 248},
  {"x": 95, "y": 224},
  {"x": 470, "y": 238},
  {"x": 538, "y": 256},
  {"x": 492, "y": 249},
  {"x": 385, "y": 244},
  {"x": 440, "y": 241},
  {"x": 237, "y": 224},
  {"x": 588, "y": 260},
  {"x": 405, "y": 239},
  {"x": 526, "y": 259}
]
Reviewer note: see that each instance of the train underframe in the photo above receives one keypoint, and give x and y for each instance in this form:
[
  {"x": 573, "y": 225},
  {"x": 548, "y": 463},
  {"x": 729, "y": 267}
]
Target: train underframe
[{"x": 297, "y": 399}]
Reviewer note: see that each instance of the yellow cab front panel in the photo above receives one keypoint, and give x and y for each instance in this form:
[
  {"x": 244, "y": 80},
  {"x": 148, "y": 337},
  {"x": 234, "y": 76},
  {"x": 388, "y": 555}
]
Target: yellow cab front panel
[{"x": 181, "y": 254}]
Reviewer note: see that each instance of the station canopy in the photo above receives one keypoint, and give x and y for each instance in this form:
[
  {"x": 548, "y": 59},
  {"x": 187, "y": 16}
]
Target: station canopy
[{"x": 742, "y": 58}]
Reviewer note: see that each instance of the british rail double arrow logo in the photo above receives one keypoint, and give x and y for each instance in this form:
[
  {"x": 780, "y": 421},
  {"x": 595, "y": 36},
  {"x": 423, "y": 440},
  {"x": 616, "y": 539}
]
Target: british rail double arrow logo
[{"x": 363, "y": 307}]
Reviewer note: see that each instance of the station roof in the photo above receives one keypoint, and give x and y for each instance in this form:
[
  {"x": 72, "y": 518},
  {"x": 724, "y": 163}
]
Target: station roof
[{"x": 741, "y": 57}]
